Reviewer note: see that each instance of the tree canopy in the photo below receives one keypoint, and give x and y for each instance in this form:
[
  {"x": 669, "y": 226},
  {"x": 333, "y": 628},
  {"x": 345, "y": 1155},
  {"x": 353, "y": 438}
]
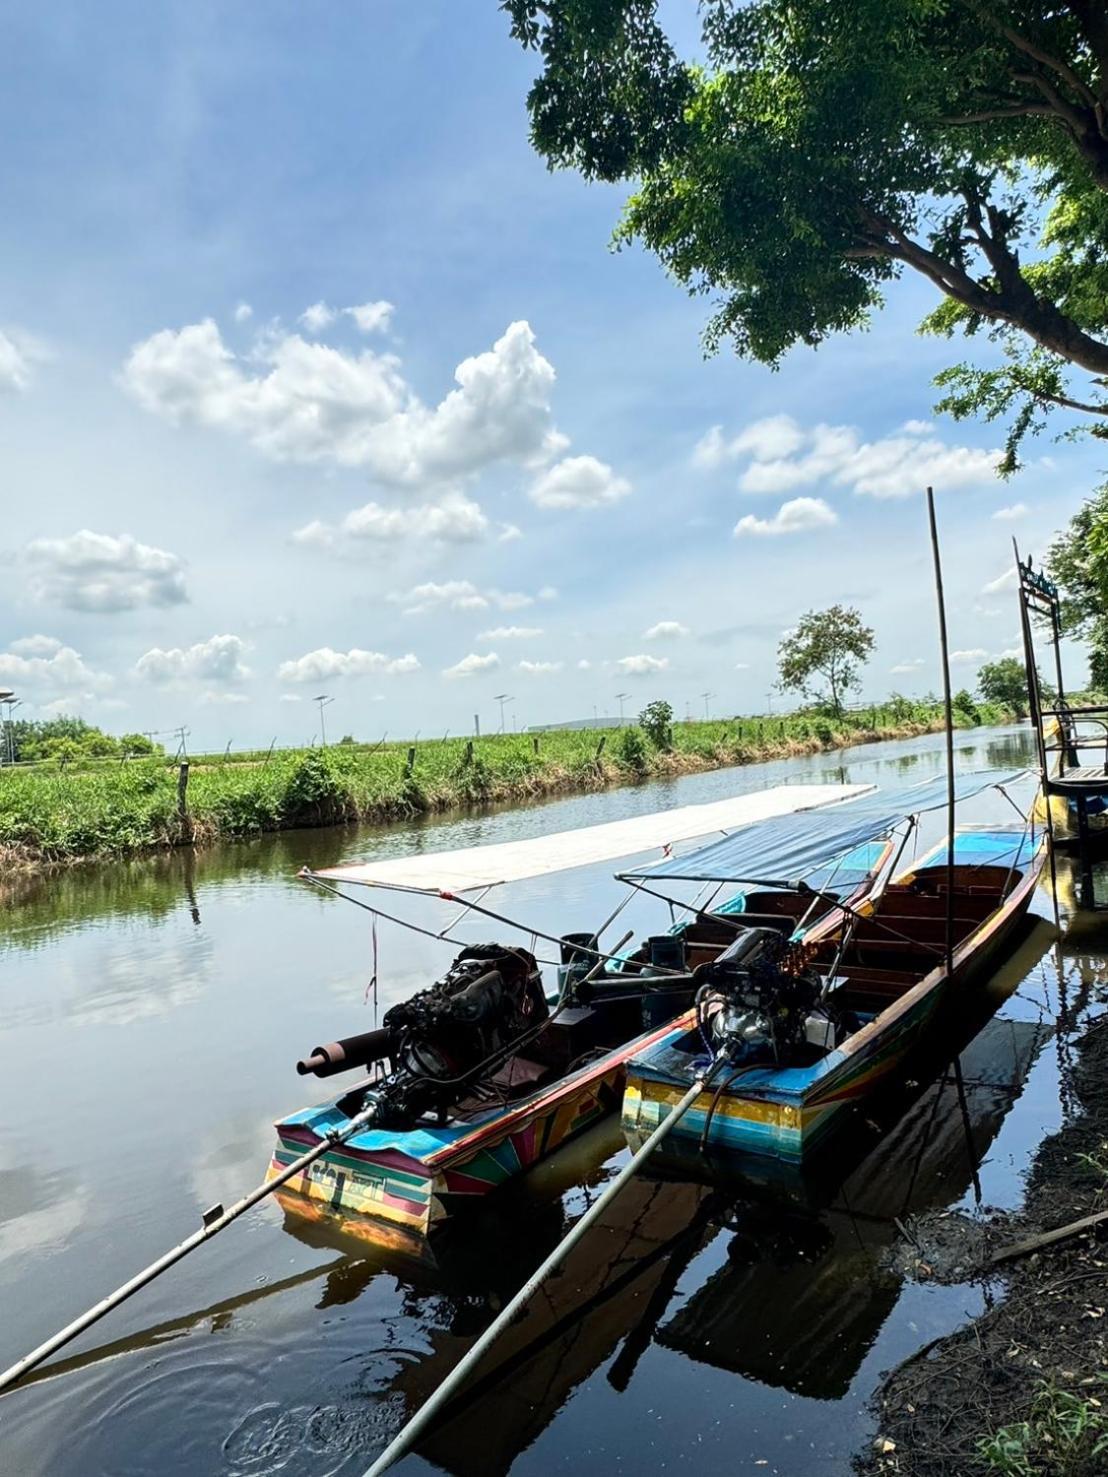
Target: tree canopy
[
  {"x": 821, "y": 656},
  {"x": 1078, "y": 563},
  {"x": 68, "y": 739},
  {"x": 1005, "y": 682},
  {"x": 812, "y": 150}
]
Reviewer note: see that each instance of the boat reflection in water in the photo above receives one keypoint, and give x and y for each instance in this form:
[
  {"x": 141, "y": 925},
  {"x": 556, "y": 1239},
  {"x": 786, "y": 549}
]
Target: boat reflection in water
[{"x": 795, "y": 1302}]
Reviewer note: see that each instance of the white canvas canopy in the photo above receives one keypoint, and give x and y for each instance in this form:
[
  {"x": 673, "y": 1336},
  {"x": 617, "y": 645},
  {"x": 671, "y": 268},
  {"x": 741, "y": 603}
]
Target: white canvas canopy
[{"x": 480, "y": 867}]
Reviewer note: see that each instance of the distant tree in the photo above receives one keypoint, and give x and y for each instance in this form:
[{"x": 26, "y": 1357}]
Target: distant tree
[
  {"x": 1077, "y": 561},
  {"x": 656, "y": 721},
  {"x": 138, "y": 745},
  {"x": 804, "y": 153},
  {"x": 1004, "y": 682},
  {"x": 964, "y": 706},
  {"x": 820, "y": 658},
  {"x": 348, "y": 738}
]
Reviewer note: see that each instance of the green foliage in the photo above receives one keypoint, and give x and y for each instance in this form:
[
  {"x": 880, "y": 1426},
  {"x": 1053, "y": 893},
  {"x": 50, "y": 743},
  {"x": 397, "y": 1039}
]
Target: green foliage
[
  {"x": 1077, "y": 562},
  {"x": 631, "y": 749},
  {"x": 964, "y": 706},
  {"x": 1064, "y": 1433},
  {"x": 1005, "y": 682},
  {"x": 829, "y": 645},
  {"x": 813, "y": 150},
  {"x": 656, "y": 721},
  {"x": 104, "y": 808},
  {"x": 72, "y": 739}
]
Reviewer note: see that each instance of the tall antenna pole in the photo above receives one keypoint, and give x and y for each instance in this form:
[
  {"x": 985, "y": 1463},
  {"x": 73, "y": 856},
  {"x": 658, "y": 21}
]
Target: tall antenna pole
[{"x": 945, "y": 656}]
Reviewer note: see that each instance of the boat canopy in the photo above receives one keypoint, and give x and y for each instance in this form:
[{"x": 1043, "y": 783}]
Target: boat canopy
[
  {"x": 480, "y": 867},
  {"x": 789, "y": 849}
]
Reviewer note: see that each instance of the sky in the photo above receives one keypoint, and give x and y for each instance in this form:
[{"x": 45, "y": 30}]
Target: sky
[{"x": 315, "y": 381}]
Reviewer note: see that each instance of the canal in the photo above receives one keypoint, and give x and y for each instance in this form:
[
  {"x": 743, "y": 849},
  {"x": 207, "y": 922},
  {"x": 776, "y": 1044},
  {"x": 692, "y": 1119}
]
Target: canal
[{"x": 151, "y": 1016}]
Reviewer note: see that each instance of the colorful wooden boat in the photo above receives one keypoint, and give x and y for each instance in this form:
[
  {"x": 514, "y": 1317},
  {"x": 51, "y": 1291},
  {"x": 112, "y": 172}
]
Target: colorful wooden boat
[
  {"x": 889, "y": 979},
  {"x": 417, "y": 1176}
]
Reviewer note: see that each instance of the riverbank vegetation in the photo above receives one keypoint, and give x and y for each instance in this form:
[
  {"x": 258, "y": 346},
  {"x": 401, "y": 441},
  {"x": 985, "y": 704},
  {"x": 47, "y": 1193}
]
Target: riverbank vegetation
[{"x": 67, "y": 809}]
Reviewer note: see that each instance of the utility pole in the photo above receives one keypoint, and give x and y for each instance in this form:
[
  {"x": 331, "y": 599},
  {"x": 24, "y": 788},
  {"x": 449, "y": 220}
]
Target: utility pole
[
  {"x": 10, "y": 701},
  {"x": 621, "y": 698},
  {"x": 707, "y": 696},
  {"x": 322, "y": 699}
]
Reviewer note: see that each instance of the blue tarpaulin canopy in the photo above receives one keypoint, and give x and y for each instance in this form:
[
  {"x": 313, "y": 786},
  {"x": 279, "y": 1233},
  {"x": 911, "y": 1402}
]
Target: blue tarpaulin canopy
[{"x": 788, "y": 848}]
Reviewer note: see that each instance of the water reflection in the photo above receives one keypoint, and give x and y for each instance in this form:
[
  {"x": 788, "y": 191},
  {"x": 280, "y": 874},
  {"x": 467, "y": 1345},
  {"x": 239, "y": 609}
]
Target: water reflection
[{"x": 708, "y": 1320}]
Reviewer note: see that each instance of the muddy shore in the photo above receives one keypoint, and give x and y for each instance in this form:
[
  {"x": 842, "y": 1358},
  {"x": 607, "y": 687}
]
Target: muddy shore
[{"x": 1023, "y": 1389}]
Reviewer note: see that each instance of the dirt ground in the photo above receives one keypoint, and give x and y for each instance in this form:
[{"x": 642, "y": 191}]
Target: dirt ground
[{"x": 1033, "y": 1368}]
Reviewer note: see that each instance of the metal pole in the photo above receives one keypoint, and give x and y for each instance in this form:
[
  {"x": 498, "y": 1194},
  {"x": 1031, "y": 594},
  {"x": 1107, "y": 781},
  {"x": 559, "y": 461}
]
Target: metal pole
[
  {"x": 945, "y": 655},
  {"x": 215, "y": 1220},
  {"x": 409, "y": 1434}
]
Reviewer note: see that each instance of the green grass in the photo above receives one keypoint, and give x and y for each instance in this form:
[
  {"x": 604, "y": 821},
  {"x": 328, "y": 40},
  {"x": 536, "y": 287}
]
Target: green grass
[
  {"x": 52, "y": 813},
  {"x": 1064, "y": 1433}
]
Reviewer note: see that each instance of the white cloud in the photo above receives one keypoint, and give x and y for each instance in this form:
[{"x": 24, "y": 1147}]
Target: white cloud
[
  {"x": 1005, "y": 581},
  {"x": 665, "y": 631},
  {"x": 742, "y": 666},
  {"x": 584, "y": 665},
  {"x": 15, "y": 362},
  {"x": 510, "y": 633},
  {"x": 61, "y": 670},
  {"x": 539, "y": 669},
  {"x": 800, "y": 515},
  {"x": 318, "y": 317},
  {"x": 324, "y": 664},
  {"x": 308, "y": 402},
  {"x": 456, "y": 519},
  {"x": 642, "y": 665},
  {"x": 470, "y": 665},
  {"x": 292, "y": 697},
  {"x": 972, "y": 654},
  {"x": 99, "y": 572},
  {"x": 36, "y": 646},
  {"x": 578, "y": 482},
  {"x": 219, "y": 659},
  {"x": 243, "y": 313},
  {"x": 508, "y": 533},
  {"x": 463, "y": 595},
  {"x": 371, "y": 317},
  {"x": 912, "y": 665},
  {"x": 212, "y": 697},
  {"x": 765, "y": 440},
  {"x": 784, "y": 455},
  {"x": 1010, "y": 514}
]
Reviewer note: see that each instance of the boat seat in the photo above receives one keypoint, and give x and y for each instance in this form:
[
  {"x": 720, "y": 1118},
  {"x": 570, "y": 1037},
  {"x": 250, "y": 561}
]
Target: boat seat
[
  {"x": 926, "y": 929},
  {"x": 908, "y": 904}
]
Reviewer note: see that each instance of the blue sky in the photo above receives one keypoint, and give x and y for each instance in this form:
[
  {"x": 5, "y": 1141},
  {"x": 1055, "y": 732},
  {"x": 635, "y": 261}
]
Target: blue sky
[{"x": 216, "y": 507}]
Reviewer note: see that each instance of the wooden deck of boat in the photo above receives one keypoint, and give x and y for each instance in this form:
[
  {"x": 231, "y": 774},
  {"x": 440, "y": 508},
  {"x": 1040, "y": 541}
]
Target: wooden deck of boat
[{"x": 1092, "y": 777}]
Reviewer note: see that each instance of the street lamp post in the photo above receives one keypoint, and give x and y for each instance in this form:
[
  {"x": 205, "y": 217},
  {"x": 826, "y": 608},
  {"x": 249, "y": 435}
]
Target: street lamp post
[
  {"x": 707, "y": 696},
  {"x": 10, "y": 700},
  {"x": 502, "y": 698},
  {"x": 621, "y": 698},
  {"x": 322, "y": 699}
]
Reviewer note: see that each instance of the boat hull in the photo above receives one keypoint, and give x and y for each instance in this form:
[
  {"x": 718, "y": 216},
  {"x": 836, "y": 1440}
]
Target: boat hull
[
  {"x": 417, "y": 1180},
  {"x": 787, "y": 1114}
]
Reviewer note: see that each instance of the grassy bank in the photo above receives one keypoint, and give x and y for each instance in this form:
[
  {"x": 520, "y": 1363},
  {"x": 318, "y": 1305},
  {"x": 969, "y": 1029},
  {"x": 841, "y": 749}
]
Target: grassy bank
[{"x": 65, "y": 812}]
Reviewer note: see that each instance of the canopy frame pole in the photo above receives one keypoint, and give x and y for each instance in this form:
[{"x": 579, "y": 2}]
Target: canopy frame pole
[
  {"x": 944, "y": 653},
  {"x": 410, "y": 1433}
]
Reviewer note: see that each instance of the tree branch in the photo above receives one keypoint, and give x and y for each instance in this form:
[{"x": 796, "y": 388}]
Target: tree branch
[{"x": 989, "y": 115}]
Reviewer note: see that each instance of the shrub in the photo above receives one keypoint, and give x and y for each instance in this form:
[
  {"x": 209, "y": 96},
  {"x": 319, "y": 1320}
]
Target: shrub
[
  {"x": 656, "y": 721},
  {"x": 631, "y": 749}
]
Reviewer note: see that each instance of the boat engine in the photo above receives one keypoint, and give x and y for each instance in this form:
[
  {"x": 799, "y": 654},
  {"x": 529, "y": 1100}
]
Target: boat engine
[
  {"x": 753, "y": 1006},
  {"x": 441, "y": 1041}
]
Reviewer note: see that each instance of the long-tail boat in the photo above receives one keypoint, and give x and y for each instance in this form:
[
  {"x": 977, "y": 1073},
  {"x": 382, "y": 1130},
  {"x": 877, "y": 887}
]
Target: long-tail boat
[
  {"x": 800, "y": 1030},
  {"x": 484, "y": 1074}
]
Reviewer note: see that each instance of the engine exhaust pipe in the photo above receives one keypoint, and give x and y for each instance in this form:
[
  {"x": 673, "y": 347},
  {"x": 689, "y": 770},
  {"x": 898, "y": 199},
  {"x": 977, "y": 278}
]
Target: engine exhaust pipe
[{"x": 347, "y": 1054}]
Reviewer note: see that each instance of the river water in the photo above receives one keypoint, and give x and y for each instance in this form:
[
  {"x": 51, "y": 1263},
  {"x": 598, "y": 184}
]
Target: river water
[{"x": 151, "y": 1015}]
